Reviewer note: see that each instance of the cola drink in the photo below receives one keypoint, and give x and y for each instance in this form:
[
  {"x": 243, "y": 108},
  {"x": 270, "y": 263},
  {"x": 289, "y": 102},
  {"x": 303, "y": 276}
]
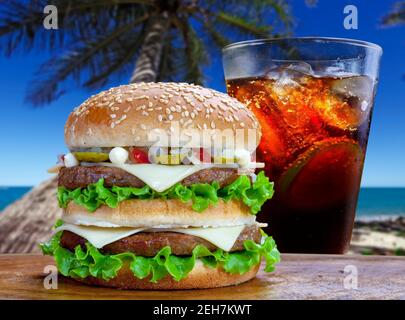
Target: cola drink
[{"x": 315, "y": 130}]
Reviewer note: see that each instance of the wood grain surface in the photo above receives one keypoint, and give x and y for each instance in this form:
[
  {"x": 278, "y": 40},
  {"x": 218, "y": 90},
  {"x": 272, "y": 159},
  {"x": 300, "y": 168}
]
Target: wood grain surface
[{"x": 297, "y": 277}]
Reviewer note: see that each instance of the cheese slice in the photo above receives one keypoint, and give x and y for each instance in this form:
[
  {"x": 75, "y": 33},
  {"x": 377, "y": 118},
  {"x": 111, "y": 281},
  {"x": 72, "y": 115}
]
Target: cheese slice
[
  {"x": 99, "y": 237},
  {"x": 160, "y": 177},
  {"x": 223, "y": 237}
]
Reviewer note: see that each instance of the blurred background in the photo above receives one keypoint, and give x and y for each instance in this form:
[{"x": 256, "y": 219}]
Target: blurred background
[{"x": 45, "y": 73}]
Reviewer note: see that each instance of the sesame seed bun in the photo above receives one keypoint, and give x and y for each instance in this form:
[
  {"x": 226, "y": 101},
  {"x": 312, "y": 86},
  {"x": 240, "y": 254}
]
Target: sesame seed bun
[
  {"x": 135, "y": 114},
  {"x": 159, "y": 212},
  {"x": 201, "y": 277}
]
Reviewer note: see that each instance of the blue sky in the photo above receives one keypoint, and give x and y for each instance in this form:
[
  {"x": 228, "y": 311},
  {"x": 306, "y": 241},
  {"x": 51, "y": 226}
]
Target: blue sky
[{"x": 31, "y": 138}]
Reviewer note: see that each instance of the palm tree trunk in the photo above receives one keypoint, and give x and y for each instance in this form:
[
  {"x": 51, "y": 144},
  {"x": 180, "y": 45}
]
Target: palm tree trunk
[{"x": 147, "y": 64}]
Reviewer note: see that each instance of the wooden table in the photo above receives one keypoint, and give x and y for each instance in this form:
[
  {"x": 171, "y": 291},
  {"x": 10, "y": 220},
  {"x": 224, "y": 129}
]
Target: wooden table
[{"x": 297, "y": 277}]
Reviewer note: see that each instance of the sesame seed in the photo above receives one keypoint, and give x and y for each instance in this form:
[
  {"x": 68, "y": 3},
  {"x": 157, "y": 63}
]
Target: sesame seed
[
  {"x": 113, "y": 116},
  {"x": 212, "y": 124},
  {"x": 141, "y": 97},
  {"x": 222, "y": 107},
  {"x": 121, "y": 119}
]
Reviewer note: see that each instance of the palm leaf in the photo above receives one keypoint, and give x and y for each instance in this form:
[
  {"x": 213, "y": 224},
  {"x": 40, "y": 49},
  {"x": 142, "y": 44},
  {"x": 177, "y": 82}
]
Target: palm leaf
[
  {"x": 244, "y": 25},
  {"x": 89, "y": 55},
  {"x": 98, "y": 39},
  {"x": 195, "y": 54},
  {"x": 22, "y": 25},
  {"x": 168, "y": 68},
  {"x": 123, "y": 55},
  {"x": 397, "y": 15}
]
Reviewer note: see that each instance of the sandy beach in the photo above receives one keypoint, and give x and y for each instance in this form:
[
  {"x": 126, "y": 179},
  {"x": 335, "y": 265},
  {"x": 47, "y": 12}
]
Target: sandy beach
[{"x": 382, "y": 236}]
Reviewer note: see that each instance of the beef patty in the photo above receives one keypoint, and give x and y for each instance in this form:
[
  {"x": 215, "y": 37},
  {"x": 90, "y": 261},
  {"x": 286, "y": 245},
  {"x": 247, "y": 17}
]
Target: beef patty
[
  {"x": 81, "y": 176},
  {"x": 149, "y": 243}
]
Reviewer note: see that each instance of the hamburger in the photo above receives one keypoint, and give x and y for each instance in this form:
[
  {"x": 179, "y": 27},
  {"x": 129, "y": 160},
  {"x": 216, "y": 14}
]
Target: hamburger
[{"x": 160, "y": 190}]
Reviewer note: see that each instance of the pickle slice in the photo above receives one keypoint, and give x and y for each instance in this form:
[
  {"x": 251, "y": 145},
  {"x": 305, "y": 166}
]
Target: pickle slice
[
  {"x": 327, "y": 175},
  {"x": 91, "y": 156},
  {"x": 169, "y": 159},
  {"x": 224, "y": 160}
]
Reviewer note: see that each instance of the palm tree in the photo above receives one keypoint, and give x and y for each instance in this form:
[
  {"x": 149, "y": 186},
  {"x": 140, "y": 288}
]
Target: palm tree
[
  {"x": 396, "y": 16},
  {"x": 154, "y": 40}
]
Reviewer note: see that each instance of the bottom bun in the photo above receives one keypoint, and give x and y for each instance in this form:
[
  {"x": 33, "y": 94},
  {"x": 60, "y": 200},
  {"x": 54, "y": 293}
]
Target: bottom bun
[{"x": 201, "y": 277}]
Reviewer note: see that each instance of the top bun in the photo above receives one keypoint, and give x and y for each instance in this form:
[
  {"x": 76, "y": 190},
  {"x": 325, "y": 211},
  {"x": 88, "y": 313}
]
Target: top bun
[{"x": 132, "y": 115}]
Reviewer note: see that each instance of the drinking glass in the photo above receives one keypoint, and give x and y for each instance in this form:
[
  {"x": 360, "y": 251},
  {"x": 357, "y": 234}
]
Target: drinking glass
[{"x": 313, "y": 98}]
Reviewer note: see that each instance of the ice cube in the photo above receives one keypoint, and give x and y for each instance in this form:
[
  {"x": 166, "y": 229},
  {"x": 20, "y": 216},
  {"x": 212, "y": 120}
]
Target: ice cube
[
  {"x": 291, "y": 75},
  {"x": 300, "y": 67},
  {"x": 292, "y": 70},
  {"x": 334, "y": 71},
  {"x": 348, "y": 103},
  {"x": 360, "y": 87}
]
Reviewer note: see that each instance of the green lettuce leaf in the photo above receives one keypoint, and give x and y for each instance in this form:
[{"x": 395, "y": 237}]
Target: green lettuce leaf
[
  {"x": 202, "y": 195},
  {"x": 49, "y": 247},
  {"x": 89, "y": 261}
]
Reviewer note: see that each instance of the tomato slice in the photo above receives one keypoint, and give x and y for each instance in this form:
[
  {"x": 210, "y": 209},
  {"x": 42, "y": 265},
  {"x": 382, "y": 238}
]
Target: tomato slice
[
  {"x": 138, "y": 155},
  {"x": 204, "y": 155}
]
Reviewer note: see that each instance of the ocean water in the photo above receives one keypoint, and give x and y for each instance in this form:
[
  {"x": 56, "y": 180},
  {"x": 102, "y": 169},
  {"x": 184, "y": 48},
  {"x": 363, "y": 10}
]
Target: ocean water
[
  {"x": 11, "y": 194},
  {"x": 373, "y": 202}
]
